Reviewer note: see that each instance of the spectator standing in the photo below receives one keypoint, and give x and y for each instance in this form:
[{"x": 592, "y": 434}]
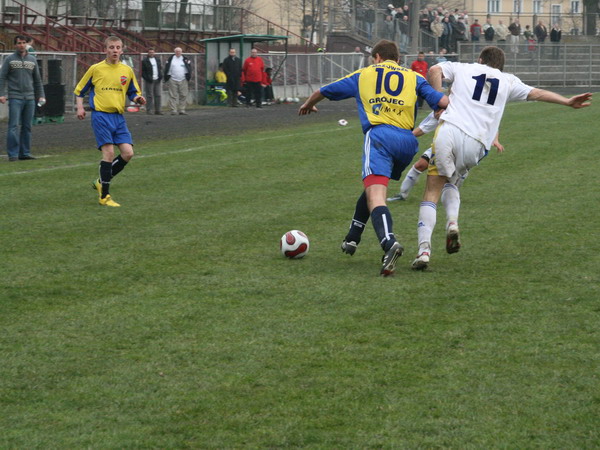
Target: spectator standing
[
  {"x": 152, "y": 75},
  {"x": 530, "y": 39},
  {"x": 30, "y": 48},
  {"x": 232, "y": 66},
  {"x": 488, "y": 31},
  {"x": 369, "y": 21},
  {"x": 178, "y": 72},
  {"x": 515, "y": 35},
  {"x": 437, "y": 28},
  {"x": 555, "y": 36},
  {"x": 110, "y": 83},
  {"x": 389, "y": 28},
  {"x": 475, "y": 30},
  {"x": 420, "y": 66},
  {"x": 501, "y": 33},
  {"x": 20, "y": 76},
  {"x": 446, "y": 34},
  {"x": 252, "y": 75},
  {"x": 459, "y": 33},
  {"x": 541, "y": 33}
]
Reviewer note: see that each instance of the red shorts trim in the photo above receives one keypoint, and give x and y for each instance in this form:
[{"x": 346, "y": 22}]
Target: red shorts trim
[{"x": 370, "y": 180}]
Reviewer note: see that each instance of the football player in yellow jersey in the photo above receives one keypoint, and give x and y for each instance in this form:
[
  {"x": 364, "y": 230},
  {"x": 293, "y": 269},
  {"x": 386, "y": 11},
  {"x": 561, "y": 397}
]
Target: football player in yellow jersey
[
  {"x": 109, "y": 84},
  {"x": 386, "y": 96}
]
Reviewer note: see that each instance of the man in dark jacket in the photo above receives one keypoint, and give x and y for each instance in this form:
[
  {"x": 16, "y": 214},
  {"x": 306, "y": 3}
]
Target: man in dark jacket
[
  {"x": 20, "y": 75},
  {"x": 152, "y": 75},
  {"x": 178, "y": 72},
  {"x": 232, "y": 66}
]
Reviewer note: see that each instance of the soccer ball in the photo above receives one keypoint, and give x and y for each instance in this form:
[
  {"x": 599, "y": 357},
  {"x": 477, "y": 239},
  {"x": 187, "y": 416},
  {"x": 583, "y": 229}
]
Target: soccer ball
[
  {"x": 294, "y": 244},
  {"x": 343, "y": 122}
]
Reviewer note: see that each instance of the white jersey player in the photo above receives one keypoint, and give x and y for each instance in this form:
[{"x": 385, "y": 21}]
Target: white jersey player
[
  {"x": 466, "y": 132},
  {"x": 428, "y": 125}
]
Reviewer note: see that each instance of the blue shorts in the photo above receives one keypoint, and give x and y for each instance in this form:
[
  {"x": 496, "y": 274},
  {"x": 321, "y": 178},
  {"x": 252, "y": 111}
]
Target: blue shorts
[
  {"x": 387, "y": 151},
  {"x": 110, "y": 128}
]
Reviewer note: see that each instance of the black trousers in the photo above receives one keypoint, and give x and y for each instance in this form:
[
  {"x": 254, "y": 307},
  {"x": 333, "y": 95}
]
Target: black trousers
[{"x": 254, "y": 90}]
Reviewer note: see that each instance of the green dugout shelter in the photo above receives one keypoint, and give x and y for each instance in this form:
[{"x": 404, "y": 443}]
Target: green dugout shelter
[{"x": 217, "y": 49}]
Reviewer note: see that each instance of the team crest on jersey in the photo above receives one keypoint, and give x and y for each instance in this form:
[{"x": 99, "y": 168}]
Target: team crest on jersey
[
  {"x": 123, "y": 80},
  {"x": 376, "y": 109}
]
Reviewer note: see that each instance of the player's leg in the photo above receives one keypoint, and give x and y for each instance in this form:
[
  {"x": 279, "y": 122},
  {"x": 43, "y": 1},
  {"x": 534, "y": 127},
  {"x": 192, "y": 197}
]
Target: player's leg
[
  {"x": 451, "y": 201},
  {"x": 427, "y": 219},
  {"x": 381, "y": 218},
  {"x": 441, "y": 166},
  {"x": 122, "y": 137},
  {"x": 412, "y": 176},
  {"x": 108, "y": 154},
  {"x": 357, "y": 225}
]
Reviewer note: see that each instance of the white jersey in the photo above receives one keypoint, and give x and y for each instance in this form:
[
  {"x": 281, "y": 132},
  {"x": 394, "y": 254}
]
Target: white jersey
[
  {"x": 428, "y": 124},
  {"x": 478, "y": 96}
]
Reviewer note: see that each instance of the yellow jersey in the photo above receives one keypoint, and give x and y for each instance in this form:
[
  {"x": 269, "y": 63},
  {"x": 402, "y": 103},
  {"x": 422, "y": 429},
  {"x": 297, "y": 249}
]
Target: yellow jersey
[
  {"x": 109, "y": 85},
  {"x": 386, "y": 94}
]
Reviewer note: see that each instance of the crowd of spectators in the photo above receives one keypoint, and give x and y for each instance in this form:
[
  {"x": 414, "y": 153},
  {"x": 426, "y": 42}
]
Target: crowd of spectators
[{"x": 449, "y": 27}]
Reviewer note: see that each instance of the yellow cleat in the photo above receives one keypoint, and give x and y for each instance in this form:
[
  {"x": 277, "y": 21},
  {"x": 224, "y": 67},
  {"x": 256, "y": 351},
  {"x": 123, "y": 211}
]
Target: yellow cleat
[
  {"x": 98, "y": 186},
  {"x": 107, "y": 201}
]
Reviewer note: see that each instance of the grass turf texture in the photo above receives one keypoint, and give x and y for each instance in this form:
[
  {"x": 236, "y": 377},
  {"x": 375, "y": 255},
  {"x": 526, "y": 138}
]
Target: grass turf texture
[{"x": 173, "y": 321}]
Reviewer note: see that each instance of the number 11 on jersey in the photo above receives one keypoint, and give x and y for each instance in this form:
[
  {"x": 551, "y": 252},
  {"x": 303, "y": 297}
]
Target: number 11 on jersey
[{"x": 494, "y": 83}]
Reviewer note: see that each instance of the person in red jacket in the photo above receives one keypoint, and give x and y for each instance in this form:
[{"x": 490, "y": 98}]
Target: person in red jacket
[
  {"x": 252, "y": 75},
  {"x": 420, "y": 66},
  {"x": 267, "y": 85}
]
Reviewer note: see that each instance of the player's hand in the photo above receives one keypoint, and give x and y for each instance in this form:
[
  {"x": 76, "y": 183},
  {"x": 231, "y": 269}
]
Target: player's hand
[
  {"x": 306, "y": 109},
  {"x": 498, "y": 145},
  {"x": 80, "y": 113},
  {"x": 3, "y": 100},
  {"x": 139, "y": 100},
  {"x": 580, "y": 101}
]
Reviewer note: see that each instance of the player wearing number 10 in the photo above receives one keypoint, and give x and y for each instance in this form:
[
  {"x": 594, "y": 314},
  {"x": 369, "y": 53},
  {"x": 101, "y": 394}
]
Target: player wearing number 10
[
  {"x": 386, "y": 96},
  {"x": 467, "y": 129}
]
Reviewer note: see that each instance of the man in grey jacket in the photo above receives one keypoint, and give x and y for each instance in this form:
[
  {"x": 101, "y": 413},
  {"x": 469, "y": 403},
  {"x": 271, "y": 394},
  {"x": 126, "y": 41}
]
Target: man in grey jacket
[{"x": 21, "y": 76}]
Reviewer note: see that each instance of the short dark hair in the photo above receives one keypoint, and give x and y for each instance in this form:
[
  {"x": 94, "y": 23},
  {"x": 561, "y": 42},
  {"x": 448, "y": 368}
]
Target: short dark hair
[
  {"x": 112, "y": 39},
  {"x": 492, "y": 56},
  {"x": 20, "y": 37},
  {"x": 386, "y": 50}
]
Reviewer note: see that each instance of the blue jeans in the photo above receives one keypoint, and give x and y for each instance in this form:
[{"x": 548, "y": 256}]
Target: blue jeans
[{"x": 20, "y": 112}]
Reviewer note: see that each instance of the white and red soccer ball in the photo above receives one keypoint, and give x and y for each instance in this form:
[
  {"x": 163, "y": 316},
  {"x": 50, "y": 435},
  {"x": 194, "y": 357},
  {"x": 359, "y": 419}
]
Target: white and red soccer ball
[{"x": 294, "y": 244}]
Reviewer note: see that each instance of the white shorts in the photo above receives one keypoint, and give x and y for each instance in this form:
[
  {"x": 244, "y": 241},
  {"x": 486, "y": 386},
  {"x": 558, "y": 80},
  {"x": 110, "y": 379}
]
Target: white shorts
[{"x": 454, "y": 153}]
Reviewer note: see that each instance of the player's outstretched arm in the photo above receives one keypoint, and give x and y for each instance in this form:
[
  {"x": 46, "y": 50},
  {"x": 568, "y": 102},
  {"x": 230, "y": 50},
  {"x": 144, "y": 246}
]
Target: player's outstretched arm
[
  {"x": 577, "y": 101},
  {"x": 309, "y": 105}
]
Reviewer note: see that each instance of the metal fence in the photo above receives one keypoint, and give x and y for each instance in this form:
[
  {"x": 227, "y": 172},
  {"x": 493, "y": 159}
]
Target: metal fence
[{"x": 556, "y": 67}]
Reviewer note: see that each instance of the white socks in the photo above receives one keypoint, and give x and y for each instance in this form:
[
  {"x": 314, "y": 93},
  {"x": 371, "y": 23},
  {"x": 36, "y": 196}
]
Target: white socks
[{"x": 451, "y": 202}]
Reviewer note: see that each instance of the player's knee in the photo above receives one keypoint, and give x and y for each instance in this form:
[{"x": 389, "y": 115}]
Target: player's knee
[{"x": 421, "y": 164}]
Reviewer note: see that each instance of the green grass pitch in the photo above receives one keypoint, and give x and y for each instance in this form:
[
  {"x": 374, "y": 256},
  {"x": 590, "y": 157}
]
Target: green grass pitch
[{"x": 174, "y": 322}]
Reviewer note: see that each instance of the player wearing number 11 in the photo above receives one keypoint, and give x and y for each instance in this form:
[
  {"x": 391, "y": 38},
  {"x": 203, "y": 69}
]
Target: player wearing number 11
[
  {"x": 386, "y": 96},
  {"x": 467, "y": 129}
]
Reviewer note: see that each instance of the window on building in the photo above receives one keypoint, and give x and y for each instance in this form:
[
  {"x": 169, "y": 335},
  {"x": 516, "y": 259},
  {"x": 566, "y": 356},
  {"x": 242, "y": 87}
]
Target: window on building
[
  {"x": 574, "y": 6},
  {"x": 538, "y": 7},
  {"x": 555, "y": 15},
  {"x": 517, "y": 6},
  {"x": 493, "y": 6}
]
